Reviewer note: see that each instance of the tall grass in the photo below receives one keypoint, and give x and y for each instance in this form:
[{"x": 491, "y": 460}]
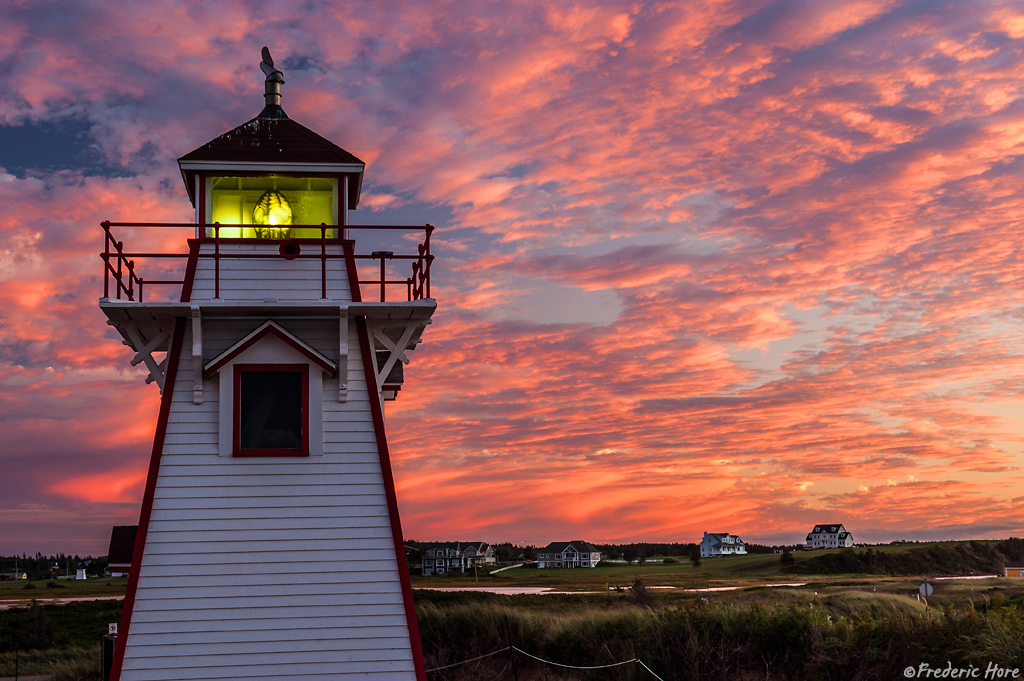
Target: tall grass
[
  {"x": 63, "y": 664},
  {"x": 823, "y": 640}
]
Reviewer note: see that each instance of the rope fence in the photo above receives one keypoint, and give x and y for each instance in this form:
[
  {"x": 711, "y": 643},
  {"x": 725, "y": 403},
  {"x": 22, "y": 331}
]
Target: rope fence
[{"x": 556, "y": 664}]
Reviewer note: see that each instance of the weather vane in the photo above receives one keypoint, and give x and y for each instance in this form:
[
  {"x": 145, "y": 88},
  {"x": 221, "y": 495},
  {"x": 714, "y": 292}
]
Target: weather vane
[{"x": 272, "y": 91}]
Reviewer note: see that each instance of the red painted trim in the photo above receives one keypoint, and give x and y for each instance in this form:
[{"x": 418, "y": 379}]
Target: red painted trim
[
  {"x": 385, "y": 469},
  {"x": 190, "y": 270},
  {"x": 236, "y": 414},
  {"x": 202, "y": 202},
  {"x": 173, "y": 356},
  {"x": 260, "y": 336},
  {"x": 389, "y": 492},
  {"x": 353, "y": 275}
]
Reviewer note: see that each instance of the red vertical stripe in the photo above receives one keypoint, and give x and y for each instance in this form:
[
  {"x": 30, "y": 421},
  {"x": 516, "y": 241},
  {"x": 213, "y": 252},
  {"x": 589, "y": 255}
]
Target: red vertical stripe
[
  {"x": 385, "y": 469},
  {"x": 173, "y": 356},
  {"x": 147, "y": 500}
]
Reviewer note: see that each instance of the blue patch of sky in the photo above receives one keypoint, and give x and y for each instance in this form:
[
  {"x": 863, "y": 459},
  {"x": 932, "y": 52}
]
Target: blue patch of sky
[
  {"x": 411, "y": 213},
  {"x": 46, "y": 147},
  {"x": 768, "y": 360},
  {"x": 542, "y": 301}
]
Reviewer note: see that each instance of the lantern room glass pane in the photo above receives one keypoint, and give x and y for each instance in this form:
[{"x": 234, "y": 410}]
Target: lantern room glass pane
[
  {"x": 270, "y": 410},
  {"x": 267, "y": 207}
]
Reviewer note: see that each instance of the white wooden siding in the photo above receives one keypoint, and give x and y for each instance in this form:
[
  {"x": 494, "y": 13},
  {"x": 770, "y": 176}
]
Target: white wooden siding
[
  {"x": 261, "y": 278},
  {"x": 270, "y": 568}
]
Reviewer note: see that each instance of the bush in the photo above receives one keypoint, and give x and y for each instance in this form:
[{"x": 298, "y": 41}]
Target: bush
[
  {"x": 639, "y": 595},
  {"x": 802, "y": 642},
  {"x": 972, "y": 558}
]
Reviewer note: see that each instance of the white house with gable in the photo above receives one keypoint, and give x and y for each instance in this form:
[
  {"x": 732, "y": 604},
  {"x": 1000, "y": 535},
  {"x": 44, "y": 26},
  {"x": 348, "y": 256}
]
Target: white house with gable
[
  {"x": 829, "y": 537},
  {"x": 568, "y": 554},
  {"x": 721, "y": 544}
]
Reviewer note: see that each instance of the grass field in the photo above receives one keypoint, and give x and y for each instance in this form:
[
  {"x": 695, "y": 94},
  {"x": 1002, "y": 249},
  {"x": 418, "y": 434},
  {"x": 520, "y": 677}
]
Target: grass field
[
  {"x": 833, "y": 626},
  {"x": 713, "y": 572},
  {"x": 46, "y": 589}
]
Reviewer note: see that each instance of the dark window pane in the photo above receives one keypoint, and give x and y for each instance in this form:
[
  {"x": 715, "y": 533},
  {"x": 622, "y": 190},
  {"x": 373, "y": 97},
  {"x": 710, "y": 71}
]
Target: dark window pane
[{"x": 271, "y": 410}]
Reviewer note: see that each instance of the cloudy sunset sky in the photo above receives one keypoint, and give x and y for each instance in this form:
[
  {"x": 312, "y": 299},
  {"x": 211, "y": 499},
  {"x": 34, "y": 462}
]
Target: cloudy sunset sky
[{"x": 702, "y": 266}]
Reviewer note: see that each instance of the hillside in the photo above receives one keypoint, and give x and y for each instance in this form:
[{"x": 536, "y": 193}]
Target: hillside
[{"x": 952, "y": 558}]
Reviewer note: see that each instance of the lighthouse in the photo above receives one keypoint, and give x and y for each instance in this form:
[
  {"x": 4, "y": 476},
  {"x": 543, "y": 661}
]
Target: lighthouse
[{"x": 269, "y": 542}]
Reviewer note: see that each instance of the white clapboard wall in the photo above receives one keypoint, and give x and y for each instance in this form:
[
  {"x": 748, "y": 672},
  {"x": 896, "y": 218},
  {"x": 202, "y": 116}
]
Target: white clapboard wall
[
  {"x": 259, "y": 278},
  {"x": 276, "y": 568}
]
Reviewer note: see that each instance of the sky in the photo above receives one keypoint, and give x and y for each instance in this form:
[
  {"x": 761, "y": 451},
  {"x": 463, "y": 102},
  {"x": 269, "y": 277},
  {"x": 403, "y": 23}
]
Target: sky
[{"x": 702, "y": 266}]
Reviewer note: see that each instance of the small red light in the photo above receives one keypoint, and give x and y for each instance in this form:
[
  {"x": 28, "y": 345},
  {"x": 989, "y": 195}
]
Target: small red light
[{"x": 289, "y": 249}]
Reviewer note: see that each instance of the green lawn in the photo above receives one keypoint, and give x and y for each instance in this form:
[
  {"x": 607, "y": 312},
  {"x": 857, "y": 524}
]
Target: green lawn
[
  {"x": 713, "y": 572},
  {"x": 66, "y": 588}
]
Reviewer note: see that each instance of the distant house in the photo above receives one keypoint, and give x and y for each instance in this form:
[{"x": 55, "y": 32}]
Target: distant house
[
  {"x": 829, "y": 537},
  {"x": 443, "y": 557},
  {"x": 568, "y": 554},
  {"x": 1016, "y": 570},
  {"x": 14, "y": 574},
  {"x": 721, "y": 544},
  {"x": 122, "y": 546}
]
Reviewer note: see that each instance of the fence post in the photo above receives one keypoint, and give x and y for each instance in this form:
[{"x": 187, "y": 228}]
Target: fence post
[
  {"x": 511, "y": 650},
  {"x": 106, "y": 258},
  {"x": 323, "y": 261},
  {"x": 430, "y": 228},
  {"x": 120, "y": 284},
  {"x": 216, "y": 260}
]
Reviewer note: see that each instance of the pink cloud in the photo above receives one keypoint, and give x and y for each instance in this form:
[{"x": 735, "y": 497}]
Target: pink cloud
[{"x": 808, "y": 212}]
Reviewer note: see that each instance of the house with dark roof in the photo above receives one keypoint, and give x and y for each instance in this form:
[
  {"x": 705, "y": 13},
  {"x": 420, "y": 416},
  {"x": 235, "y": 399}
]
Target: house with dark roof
[
  {"x": 826, "y": 536},
  {"x": 442, "y": 557},
  {"x": 568, "y": 554},
  {"x": 721, "y": 544},
  {"x": 122, "y": 546},
  {"x": 1013, "y": 570}
]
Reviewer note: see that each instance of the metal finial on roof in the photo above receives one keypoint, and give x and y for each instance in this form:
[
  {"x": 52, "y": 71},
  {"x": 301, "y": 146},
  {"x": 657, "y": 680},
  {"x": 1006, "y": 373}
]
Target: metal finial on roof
[{"x": 272, "y": 90}]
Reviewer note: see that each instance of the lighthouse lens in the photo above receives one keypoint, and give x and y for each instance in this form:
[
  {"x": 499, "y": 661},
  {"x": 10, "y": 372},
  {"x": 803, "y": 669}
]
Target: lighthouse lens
[{"x": 272, "y": 207}]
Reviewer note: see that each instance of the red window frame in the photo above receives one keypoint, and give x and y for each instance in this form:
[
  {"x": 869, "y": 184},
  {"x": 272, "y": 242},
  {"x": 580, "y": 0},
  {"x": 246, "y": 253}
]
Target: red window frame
[{"x": 236, "y": 416}]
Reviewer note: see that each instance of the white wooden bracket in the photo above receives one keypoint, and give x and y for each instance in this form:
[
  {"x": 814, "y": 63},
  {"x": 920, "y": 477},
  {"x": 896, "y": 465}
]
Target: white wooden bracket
[
  {"x": 144, "y": 350},
  {"x": 396, "y": 351},
  {"x": 343, "y": 356},
  {"x": 197, "y": 354}
]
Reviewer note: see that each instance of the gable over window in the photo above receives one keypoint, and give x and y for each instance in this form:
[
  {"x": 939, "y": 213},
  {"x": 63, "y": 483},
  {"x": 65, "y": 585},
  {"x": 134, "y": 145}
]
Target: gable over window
[{"x": 271, "y": 395}]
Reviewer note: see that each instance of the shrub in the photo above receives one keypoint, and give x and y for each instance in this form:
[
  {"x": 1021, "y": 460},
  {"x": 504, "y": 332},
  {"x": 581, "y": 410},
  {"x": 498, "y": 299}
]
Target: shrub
[
  {"x": 839, "y": 637},
  {"x": 639, "y": 594}
]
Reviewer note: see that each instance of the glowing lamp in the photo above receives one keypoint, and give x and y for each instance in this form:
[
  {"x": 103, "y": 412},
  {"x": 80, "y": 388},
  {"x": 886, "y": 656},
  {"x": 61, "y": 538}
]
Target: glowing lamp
[{"x": 272, "y": 209}]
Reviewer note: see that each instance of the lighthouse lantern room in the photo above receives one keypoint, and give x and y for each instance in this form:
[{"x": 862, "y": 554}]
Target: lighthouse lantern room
[{"x": 269, "y": 542}]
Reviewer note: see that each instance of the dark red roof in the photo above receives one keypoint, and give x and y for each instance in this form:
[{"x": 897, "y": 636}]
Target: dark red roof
[
  {"x": 264, "y": 140},
  {"x": 122, "y": 544}
]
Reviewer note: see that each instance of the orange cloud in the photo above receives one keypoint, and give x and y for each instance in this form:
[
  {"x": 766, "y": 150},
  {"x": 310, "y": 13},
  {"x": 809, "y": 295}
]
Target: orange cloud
[{"x": 103, "y": 488}]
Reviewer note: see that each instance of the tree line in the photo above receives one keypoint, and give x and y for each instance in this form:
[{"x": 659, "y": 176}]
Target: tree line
[{"x": 48, "y": 567}]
